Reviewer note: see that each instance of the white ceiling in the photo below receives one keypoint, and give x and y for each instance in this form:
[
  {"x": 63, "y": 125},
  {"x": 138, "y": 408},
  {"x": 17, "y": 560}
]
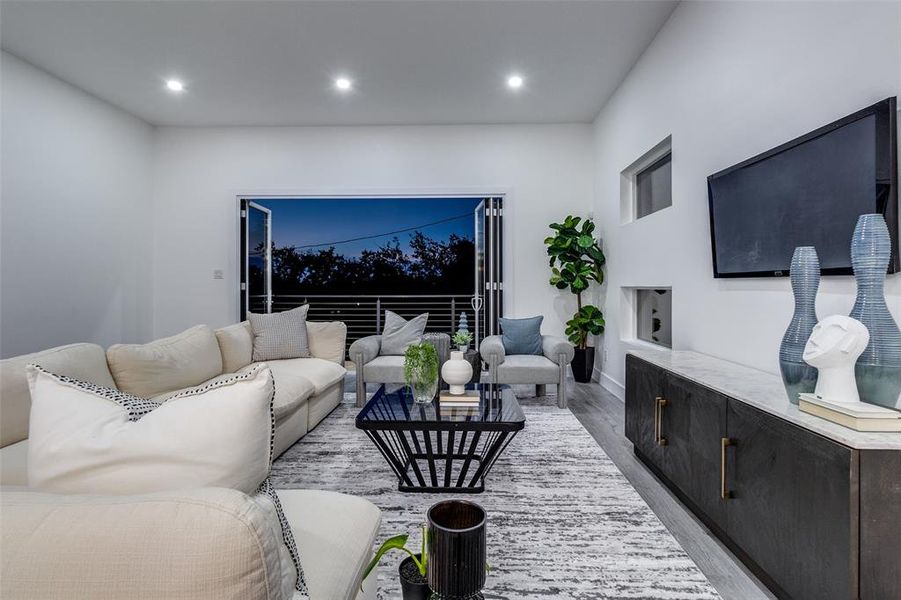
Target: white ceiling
[{"x": 258, "y": 62}]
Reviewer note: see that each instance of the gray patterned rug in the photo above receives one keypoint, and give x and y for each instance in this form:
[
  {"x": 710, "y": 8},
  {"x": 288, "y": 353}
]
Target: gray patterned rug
[{"x": 563, "y": 521}]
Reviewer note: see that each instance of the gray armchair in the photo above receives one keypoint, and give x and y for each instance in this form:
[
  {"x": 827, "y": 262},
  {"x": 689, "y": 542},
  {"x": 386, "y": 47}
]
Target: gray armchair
[
  {"x": 548, "y": 367},
  {"x": 372, "y": 368}
]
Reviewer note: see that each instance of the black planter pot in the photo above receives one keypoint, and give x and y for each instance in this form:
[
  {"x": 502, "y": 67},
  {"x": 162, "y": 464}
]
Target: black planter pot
[
  {"x": 413, "y": 585},
  {"x": 456, "y": 547},
  {"x": 583, "y": 364}
]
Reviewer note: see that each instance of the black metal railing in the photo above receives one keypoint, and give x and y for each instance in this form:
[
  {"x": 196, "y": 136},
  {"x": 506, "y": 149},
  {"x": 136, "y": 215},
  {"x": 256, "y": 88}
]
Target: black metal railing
[{"x": 364, "y": 314}]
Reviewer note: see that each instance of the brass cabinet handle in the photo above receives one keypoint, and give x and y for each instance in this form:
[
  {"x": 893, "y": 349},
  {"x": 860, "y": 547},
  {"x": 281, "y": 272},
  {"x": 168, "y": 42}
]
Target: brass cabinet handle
[
  {"x": 725, "y": 494},
  {"x": 657, "y": 419},
  {"x": 661, "y": 402}
]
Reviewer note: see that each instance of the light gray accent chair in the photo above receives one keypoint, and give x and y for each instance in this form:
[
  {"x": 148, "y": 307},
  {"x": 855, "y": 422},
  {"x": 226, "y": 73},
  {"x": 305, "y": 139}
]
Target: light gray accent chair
[
  {"x": 530, "y": 369},
  {"x": 372, "y": 368}
]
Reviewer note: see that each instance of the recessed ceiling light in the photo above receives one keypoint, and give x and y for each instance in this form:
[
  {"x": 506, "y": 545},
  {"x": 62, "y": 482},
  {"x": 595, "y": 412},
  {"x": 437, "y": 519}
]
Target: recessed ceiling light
[
  {"x": 343, "y": 84},
  {"x": 514, "y": 82},
  {"x": 174, "y": 85}
]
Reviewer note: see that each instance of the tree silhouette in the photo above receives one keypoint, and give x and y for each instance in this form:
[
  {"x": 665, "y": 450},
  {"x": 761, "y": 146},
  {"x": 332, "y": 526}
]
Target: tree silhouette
[{"x": 432, "y": 267}]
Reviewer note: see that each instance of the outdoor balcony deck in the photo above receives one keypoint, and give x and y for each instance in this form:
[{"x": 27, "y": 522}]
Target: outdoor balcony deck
[{"x": 363, "y": 314}]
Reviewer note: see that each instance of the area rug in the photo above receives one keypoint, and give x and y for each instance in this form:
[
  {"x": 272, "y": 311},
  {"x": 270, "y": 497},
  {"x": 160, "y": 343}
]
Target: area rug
[{"x": 563, "y": 522}]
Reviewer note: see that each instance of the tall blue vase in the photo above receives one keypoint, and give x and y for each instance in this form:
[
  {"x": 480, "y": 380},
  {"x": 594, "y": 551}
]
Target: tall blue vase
[
  {"x": 878, "y": 369},
  {"x": 797, "y": 375}
]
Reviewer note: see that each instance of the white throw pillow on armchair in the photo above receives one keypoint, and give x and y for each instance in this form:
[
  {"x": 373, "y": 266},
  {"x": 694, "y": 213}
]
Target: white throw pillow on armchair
[{"x": 89, "y": 439}]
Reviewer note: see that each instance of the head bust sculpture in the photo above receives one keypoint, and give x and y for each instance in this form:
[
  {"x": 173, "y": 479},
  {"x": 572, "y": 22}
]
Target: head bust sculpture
[{"x": 833, "y": 348}]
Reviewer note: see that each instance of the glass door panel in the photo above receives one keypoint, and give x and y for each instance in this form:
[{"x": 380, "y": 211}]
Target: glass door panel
[
  {"x": 258, "y": 258},
  {"x": 480, "y": 272}
]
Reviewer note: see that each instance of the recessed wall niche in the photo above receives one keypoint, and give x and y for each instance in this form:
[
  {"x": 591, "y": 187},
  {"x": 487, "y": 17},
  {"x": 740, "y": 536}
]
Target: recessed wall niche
[
  {"x": 647, "y": 315},
  {"x": 646, "y": 184}
]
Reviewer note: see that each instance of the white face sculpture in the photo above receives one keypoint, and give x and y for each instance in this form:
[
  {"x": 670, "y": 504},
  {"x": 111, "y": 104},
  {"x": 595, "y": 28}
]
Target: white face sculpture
[{"x": 836, "y": 341}]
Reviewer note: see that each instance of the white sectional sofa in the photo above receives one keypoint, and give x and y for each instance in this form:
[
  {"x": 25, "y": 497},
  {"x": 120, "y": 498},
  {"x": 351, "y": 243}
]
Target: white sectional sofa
[{"x": 128, "y": 535}]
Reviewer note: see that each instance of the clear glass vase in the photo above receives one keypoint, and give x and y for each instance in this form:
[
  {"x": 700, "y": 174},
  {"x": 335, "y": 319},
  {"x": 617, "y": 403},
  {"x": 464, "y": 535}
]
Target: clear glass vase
[{"x": 423, "y": 391}]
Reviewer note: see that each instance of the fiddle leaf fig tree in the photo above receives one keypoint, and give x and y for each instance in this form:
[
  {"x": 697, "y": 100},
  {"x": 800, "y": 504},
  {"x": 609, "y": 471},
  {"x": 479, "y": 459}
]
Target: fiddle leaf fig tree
[
  {"x": 576, "y": 260},
  {"x": 588, "y": 320}
]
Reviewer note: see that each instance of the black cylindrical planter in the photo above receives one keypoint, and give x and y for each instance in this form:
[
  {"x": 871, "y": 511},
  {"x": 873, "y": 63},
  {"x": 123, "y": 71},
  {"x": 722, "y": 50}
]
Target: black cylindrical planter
[
  {"x": 583, "y": 364},
  {"x": 456, "y": 547}
]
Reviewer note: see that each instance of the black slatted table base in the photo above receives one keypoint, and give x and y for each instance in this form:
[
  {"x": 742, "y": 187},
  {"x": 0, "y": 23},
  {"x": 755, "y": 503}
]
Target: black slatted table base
[
  {"x": 435, "y": 447},
  {"x": 422, "y": 463}
]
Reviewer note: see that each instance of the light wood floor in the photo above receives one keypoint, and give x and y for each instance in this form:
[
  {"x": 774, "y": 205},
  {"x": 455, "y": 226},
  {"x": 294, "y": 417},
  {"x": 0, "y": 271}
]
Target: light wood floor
[{"x": 602, "y": 414}]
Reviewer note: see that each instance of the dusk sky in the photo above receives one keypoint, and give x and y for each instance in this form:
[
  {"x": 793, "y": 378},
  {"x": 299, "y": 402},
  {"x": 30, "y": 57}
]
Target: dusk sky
[{"x": 320, "y": 222}]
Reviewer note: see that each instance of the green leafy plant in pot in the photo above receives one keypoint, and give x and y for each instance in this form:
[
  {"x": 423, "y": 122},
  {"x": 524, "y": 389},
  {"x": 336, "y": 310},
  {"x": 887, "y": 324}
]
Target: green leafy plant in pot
[
  {"x": 576, "y": 260},
  {"x": 413, "y": 569},
  {"x": 421, "y": 371},
  {"x": 462, "y": 340}
]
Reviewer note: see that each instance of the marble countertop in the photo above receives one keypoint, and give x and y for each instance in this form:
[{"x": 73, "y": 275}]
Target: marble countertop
[{"x": 761, "y": 390}]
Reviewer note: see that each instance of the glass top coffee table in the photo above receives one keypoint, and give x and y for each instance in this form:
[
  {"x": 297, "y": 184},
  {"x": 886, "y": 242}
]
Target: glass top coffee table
[{"x": 441, "y": 448}]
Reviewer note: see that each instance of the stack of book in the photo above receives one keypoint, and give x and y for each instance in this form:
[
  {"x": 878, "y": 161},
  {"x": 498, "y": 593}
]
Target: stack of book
[
  {"x": 462, "y": 403},
  {"x": 859, "y": 416}
]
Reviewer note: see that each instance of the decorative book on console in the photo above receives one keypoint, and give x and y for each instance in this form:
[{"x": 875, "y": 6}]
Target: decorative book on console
[{"x": 859, "y": 416}]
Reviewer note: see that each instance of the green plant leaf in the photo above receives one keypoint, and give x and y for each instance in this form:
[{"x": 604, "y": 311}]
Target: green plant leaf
[
  {"x": 397, "y": 542},
  {"x": 585, "y": 241}
]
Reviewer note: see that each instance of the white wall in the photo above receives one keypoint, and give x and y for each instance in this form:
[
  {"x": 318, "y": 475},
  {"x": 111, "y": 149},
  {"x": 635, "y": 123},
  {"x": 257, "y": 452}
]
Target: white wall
[
  {"x": 729, "y": 80},
  {"x": 198, "y": 172},
  {"x": 74, "y": 217}
]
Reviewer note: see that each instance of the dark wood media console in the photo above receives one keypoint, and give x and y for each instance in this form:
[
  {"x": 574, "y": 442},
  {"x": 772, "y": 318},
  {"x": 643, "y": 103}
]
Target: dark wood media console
[{"x": 812, "y": 508}]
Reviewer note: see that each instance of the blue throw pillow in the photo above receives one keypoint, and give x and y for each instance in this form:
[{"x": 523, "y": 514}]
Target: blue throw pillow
[{"x": 522, "y": 336}]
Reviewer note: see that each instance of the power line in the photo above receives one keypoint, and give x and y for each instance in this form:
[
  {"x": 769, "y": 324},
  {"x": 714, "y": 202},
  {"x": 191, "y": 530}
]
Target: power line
[{"x": 378, "y": 235}]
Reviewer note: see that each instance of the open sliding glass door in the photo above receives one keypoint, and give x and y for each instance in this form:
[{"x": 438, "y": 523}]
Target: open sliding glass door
[
  {"x": 478, "y": 296},
  {"x": 488, "y": 298},
  {"x": 256, "y": 267}
]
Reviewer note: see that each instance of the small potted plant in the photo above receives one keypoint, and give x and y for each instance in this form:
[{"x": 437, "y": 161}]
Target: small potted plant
[
  {"x": 413, "y": 569},
  {"x": 462, "y": 339},
  {"x": 421, "y": 371}
]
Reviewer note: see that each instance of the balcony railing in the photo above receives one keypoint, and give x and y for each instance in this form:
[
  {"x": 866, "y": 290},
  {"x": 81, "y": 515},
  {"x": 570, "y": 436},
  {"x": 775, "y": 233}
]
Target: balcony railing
[{"x": 364, "y": 314}]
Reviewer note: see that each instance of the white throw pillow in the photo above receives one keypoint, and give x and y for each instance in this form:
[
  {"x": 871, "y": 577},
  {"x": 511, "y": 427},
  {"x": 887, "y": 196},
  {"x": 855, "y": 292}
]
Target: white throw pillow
[
  {"x": 85, "y": 438},
  {"x": 89, "y": 439},
  {"x": 398, "y": 334}
]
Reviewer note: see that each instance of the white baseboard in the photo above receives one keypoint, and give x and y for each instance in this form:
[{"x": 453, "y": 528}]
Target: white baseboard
[{"x": 613, "y": 386}]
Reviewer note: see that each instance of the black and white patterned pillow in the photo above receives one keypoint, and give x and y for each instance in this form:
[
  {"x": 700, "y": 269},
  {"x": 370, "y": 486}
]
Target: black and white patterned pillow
[
  {"x": 280, "y": 335},
  {"x": 137, "y": 407}
]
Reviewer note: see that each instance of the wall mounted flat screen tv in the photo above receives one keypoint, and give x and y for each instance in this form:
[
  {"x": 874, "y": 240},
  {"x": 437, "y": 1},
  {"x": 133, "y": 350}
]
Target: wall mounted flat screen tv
[{"x": 807, "y": 192}]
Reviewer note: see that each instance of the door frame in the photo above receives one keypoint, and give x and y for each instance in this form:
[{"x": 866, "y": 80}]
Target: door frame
[
  {"x": 504, "y": 193},
  {"x": 244, "y": 262}
]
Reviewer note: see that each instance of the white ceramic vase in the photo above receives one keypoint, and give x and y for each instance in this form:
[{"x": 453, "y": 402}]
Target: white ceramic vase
[{"x": 456, "y": 373}]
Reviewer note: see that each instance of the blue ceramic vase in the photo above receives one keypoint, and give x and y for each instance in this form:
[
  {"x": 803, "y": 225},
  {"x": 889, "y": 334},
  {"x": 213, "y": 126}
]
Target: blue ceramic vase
[
  {"x": 797, "y": 375},
  {"x": 878, "y": 369}
]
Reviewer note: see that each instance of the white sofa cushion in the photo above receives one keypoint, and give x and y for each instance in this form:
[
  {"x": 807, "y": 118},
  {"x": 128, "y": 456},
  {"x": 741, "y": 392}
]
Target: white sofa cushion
[
  {"x": 198, "y": 544},
  {"x": 292, "y": 389},
  {"x": 236, "y": 346},
  {"x": 321, "y": 373},
  {"x": 183, "y": 360},
  {"x": 87, "y": 439},
  {"x": 327, "y": 340},
  {"x": 14, "y": 464},
  {"x": 335, "y": 533},
  {"x": 81, "y": 361}
]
